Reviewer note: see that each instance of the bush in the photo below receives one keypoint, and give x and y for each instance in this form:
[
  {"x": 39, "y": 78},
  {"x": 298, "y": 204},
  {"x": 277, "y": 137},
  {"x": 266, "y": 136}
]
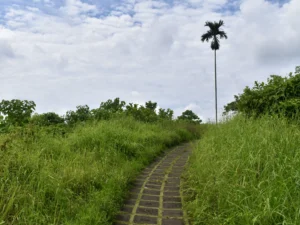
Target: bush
[{"x": 279, "y": 96}]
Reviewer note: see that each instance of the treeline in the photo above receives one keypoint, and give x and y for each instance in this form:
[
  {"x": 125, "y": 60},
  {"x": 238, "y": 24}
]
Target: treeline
[
  {"x": 279, "y": 96},
  {"x": 17, "y": 113}
]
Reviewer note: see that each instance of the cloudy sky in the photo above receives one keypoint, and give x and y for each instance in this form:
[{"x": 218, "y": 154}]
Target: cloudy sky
[{"x": 64, "y": 53}]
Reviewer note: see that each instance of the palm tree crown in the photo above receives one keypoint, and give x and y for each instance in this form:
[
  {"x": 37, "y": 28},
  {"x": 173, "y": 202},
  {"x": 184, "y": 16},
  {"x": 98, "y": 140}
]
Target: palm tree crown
[{"x": 213, "y": 33}]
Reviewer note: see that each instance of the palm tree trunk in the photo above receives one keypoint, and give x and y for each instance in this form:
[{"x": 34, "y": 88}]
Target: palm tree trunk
[{"x": 216, "y": 94}]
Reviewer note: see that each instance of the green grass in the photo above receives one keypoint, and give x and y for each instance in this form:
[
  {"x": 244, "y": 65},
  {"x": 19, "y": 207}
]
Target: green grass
[
  {"x": 80, "y": 179},
  {"x": 245, "y": 172}
]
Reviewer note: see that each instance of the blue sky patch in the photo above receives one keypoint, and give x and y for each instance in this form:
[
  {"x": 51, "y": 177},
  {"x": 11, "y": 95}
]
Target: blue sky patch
[
  {"x": 280, "y": 2},
  {"x": 106, "y": 7}
]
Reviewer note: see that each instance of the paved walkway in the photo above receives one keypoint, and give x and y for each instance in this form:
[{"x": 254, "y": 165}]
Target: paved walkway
[{"x": 156, "y": 197}]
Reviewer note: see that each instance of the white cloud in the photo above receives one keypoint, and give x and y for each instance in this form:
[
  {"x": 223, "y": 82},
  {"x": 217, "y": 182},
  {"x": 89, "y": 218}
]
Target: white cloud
[
  {"x": 76, "y": 7},
  {"x": 212, "y": 4},
  {"x": 153, "y": 54},
  {"x": 6, "y": 50},
  {"x": 135, "y": 93}
]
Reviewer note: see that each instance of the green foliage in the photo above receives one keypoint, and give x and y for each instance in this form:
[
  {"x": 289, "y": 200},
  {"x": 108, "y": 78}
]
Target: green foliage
[
  {"x": 232, "y": 106},
  {"x": 297, "y": 70},
  {"x": 280, "y": 95},
  {"x": 108, "y": 109},
  {"x": 81, "y": 114},
  {"x": 46, "y": 119},
  {"x": 245, "y": 171},
  {"x": 143, "y": 113},
  {"x": 16, "y": 112},
  {"x": 50, "y": 123},
  {"x": 133, "y": 110},
  {"x": 147, "y": 115},
  {"x": 2, "y": 124},
  {"x": 113, "y": 106},
  {"x": 189, "y": 115},
  {"x": 111, "y": 109},
  {"x": 165, "y": 114},
  {"x": 151, "y": 105},
  {"x": 82, "y": 178}
]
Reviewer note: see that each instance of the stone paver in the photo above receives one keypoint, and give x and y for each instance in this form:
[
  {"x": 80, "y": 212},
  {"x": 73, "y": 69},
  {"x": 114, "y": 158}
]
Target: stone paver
[{"x": 155, "y": 198}]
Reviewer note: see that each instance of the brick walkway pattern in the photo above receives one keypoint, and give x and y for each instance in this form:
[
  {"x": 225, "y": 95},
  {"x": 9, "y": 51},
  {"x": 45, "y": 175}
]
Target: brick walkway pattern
[{"x": 156, "y": 196}]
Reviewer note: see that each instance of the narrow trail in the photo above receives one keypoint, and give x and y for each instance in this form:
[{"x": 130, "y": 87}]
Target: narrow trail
[{"x": 156, "y": 197}]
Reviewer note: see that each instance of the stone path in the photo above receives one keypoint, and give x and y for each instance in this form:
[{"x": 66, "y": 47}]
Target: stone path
[{"x": 156, "y": 196}]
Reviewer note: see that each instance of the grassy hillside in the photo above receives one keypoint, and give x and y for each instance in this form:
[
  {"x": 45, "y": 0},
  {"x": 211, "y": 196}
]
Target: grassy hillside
[
  {"x": 80, "y": 178},
  {"x": 245, "y": 171}
]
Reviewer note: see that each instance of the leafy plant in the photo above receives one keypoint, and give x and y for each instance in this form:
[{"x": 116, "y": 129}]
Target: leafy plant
[
  {"x": 189, "y": 115},
  {"x": 46, "y": 119},
  {"x": 279, "y": 96},
  {"x": 297, "y": 70},
  {"x": 165, "y": 114},
  {"x": 81, "y": 114},
  {"x": 108, "y": 109},
  {"x": 16, "y": 112}
]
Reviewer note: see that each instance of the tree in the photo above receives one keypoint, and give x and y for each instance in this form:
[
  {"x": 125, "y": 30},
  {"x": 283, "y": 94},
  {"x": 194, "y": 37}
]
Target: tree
[
  {"x": 133, "y": 110},
  {"x": 151, "y": 105},
  {"x": 81, "y": 114},
  {"x": 189, "y": 115},
  {"x": 16, "y": 112},
  {"x": 297, "y": 70},
  {"x": 165, "y": 114},
  {"x": 232, "y": 106},
  {"x": 2, "y": 124},
  {"x": 214, "y": 33},
  {"x": 47, "y": 119},
  {"x": 113, "y": 106},
  {"x": 143, "y": 113},
  {"x": 108, "y": 109},
  {"x": 278, "y": 96}
]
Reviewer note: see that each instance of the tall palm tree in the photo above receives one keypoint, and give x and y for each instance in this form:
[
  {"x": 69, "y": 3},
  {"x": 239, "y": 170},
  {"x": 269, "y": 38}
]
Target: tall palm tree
[{"x": 214, "y": 33}]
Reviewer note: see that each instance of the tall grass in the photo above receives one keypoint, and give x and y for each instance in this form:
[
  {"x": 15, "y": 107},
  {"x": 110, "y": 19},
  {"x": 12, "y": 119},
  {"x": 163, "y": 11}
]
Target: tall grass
[
  {"x": 79, "y": 179},
  {"x": 245, "y": 171}
]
